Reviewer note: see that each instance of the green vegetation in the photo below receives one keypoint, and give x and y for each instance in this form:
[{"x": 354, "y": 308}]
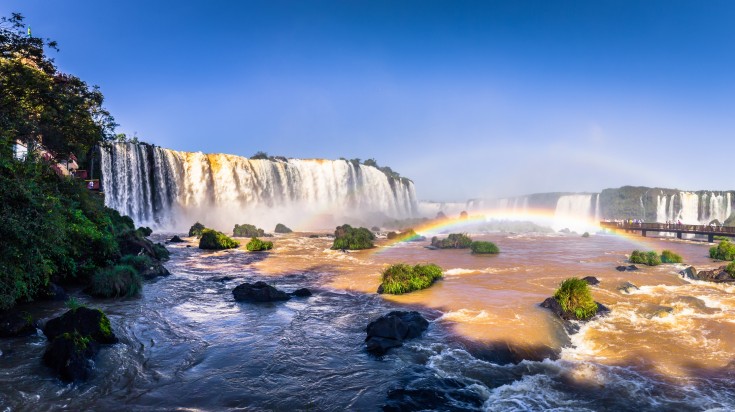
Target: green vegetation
[
  {"x": 256, "y": 245},
  {"x": 401, "y": 278},
  {"x": 347, "y": 237},
  {"x": 408, "y": 235},
  {"x": 718, "y": 238},
  {"x": 281, "y": 228},
  {"x": 212, "y": 239},
  {"x": 260, "y": 156},
  {"x": 139, "y": 262},
  {"x": 115, "y": 281},
  {"x": 730, "y": 269},
  {"x": 73, "y": 304},
  {"x": 668, "y": 256},
  {"x": 481, "y": 247},
  {"x": 453, "y": 241},
  {"x": 246, "y": 230},
  {"x": 51, "y": 226},
  {"x": 645, "y": 258},
  {"x": 196, "y": 230},
  {"x": 574, "y": 297},
  {"x": 724, "y": 251}
]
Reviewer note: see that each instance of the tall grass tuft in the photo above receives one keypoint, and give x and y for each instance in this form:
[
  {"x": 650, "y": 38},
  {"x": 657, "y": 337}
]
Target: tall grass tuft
[{"x": 574, "y": 297}]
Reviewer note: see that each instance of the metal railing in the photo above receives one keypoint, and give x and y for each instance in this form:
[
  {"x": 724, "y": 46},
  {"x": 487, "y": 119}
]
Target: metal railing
[{"x": 670, "y": 227}]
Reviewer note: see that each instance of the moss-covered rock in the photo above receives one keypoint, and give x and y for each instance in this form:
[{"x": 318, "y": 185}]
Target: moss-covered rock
[
  {"x": 214, "y": 240},
  {"x": 14, "y": 324},
  {"x": 88, "y": 322},
  {"x": 257, "y": 245},
  {"x": 453, "y": 241},
  {"x": 281, "y": 228},
  {"x": 347, "y": 237},
  {"x": 402, "y": 278},
  {"x": 196, "y": 229},
  {"x": 69, "y": 356},
  {"x": 247, "y": 230},
  {"x": 485, "y": 248},
  {"x": 573, "y": 301}
]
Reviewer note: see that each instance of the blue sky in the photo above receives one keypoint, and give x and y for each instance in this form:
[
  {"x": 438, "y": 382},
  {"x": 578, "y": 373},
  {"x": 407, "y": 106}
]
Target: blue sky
[{"x": 469, "y": 99}]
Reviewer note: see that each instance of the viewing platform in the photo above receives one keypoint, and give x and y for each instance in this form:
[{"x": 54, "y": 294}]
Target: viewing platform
[{"x": 679, "y": 229}]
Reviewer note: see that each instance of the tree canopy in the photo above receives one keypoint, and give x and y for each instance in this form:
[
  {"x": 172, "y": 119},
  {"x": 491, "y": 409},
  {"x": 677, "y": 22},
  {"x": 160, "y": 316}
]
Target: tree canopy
[{"x": 40, "y": 104}]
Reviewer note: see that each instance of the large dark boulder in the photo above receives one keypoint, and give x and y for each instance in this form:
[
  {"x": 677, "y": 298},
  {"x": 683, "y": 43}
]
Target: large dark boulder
[
  {"x": 176, "y": 239},
  {"x": 87, "y": 322},
  {"x": 154, "y": 271},
  {"x": 302, "y": 293},
  {"x": 689, "y": 273},
  {"x": 389, "y": 331},
  {"x": 69, "y": 356},
  {"x": 259, "y": 292},
  {"x": 718, "y": 275},
  {"x": 14, "y": 324},
  {"x": 629, "y": 268},
  {"x": 627, "y": 287},
  {"x": 591, "y": 280}
]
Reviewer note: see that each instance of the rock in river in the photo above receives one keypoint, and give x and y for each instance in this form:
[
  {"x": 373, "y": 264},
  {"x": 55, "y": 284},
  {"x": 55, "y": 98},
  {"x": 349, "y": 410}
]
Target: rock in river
[
  {"x": 14, "y": 324},
  {"x": 389, "y": 331},
  {"x": 85, "y": 321},
  {"x": 259, "y": 292}
]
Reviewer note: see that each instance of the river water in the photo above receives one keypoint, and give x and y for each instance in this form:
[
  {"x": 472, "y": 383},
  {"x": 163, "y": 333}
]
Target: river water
[{"x": 186, "y": 344}]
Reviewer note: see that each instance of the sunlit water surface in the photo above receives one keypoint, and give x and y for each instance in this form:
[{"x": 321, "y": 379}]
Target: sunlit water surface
[{"x": 185, "y": 343}]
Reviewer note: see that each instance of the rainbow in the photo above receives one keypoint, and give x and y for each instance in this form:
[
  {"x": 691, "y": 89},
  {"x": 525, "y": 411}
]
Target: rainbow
[{"x": 542, "y": 217}]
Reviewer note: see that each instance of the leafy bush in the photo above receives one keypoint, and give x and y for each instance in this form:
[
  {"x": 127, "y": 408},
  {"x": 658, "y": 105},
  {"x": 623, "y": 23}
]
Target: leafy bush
[
  {"x": 401, "y": 278},
  {"x": 73, "y": 304},
  {"x": 730, "y": 269},
  {"x": 139, "y": 262},
  {"x": 574, "y": 297},
  {"x": 347, "y": 237},
  {"x": 196, "y": 229},
  {"x": 645, "y": 258},
  {"x": 392, "y": 235},
  {"x": 281, "y": 228},
  {"x": 115, "y": 281},
  {"x": 724, "y": 251},
  {"x": 668, "y": 256},
  {"x": 453, "y": 241},
  {"x": 212, "y": 239},
  {"x": 481, "y": 247},
  {"x": 256, "y": 245}
]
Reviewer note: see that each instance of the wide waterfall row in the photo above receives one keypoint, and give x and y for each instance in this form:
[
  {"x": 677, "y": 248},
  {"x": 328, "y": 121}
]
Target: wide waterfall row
[
  {"x": 693, "y": 208},
  {"x": 157, "y": 186}
]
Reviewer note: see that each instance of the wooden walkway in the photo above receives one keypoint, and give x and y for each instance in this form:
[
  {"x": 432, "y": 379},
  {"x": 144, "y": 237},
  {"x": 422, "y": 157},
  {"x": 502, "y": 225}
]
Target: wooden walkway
[{"x": 644, "y": 228}]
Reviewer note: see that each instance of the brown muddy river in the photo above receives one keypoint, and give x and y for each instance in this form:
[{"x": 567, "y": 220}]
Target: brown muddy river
[{"x": 185, "y": 343}]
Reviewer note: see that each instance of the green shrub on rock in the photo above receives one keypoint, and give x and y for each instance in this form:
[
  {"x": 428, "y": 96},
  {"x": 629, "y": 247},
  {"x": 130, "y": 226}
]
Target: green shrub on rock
[
  {"x": 402, "y": 278},
  {"x": 453, "y": 241},
  {"x": 256, "y": 245},
  {"x": 247, "y": 230},
  {"x": 281, "y": 228},
  {"x": 730, "y": 269},
  {"x": 574, "y": 297},
  {"x": 214, "y": 240},
  {"x": 196, "y": 230},
  {"x": 347, "y": 237},
  {"x": 115, "y": 281},
  {"x": 668, "y": 256},
  {"x": 645, "y": 258},
  {"x": 724, "y": 251},
  {"x": 139, "y": 262},
  {"x": 482, "y": 247}
]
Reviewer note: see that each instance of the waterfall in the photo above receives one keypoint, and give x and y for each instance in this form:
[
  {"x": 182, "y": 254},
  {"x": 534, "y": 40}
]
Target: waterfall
[
  {"x": 170, "y": 189},
  {"x": 573, "y": 212},
  {"x": 597, "y": 208},
  {"x": 689, "y": 212}
]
